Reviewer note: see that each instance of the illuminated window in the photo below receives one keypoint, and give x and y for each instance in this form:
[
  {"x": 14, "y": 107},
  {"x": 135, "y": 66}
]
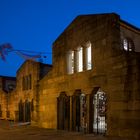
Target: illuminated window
[
  {"x": 80, "y": 59},
  {"x": 128, "y": 44},
  {"x": 71, "y": 62},
  {"x": 88, "y": 57},
  {"x": 125, "y": 44}
]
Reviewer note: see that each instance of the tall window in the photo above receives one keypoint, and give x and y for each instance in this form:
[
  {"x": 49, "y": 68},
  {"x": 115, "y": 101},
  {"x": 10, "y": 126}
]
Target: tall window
[
  {"x": 88, "y": 56},
  {"x": 125, "y": 44},
  {"x": 128, "y": 44},
  {"x": 23, "y": 83},
  {"x": 80, "y": 59},
  {"x": 30, "y": 81},
  {"x": 26, "y": 82},
  {"x": 70, "y": 62}
]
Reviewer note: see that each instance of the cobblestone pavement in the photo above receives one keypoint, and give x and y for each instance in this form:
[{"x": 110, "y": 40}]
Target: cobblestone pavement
[{"x": 14, "y": 131}]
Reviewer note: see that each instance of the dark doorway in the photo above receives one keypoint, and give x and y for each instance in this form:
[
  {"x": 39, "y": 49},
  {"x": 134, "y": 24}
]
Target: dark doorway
[
  {"x": 63, "y": 111},
  {"x": 76, "y": 124},
  {"x": 27, "y": 111},
  {"x": 21, "y": 111}
]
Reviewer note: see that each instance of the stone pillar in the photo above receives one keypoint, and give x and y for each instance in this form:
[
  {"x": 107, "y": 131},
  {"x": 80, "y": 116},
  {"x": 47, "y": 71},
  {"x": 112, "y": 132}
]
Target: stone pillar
[{"x": 36, "y": 112}]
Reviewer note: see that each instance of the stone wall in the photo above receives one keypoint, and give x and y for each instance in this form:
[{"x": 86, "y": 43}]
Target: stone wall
[
  {"x": 2, "y": 104},
  {"x": 7, "y": 85},
  {"x": 123, "y": 106},
  {"x": 114, "y": 70},
  {"x": 78, "y": 33}
]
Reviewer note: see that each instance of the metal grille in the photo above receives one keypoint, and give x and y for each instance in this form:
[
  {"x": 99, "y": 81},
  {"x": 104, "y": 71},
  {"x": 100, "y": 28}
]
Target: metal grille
[{"x": 99, "y": 123}]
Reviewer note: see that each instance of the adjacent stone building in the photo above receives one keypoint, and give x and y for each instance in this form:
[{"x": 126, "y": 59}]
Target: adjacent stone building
[
  {"x": 23, "y": 100},
  {"x": 93, "y": 86},
  {"x": 7, "y": 85},
  {"x": 28, "y": 77}
]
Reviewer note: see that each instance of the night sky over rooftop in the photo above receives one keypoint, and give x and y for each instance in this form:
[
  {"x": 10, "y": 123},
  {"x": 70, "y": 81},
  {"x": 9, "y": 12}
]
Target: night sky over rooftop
[{"x": 35, "y": 24}]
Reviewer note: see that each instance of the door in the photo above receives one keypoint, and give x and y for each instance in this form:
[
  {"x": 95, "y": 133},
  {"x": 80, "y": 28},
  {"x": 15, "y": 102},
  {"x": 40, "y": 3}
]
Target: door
[
  {"x": 76, "y": 111},
  {"x": 27, "y": 111},
  {"x": 97, "y": 112},
  {"x": 99, "y": 103},
  {"x": 63, "y": 111},
  {"x": 21, "y": 111}
]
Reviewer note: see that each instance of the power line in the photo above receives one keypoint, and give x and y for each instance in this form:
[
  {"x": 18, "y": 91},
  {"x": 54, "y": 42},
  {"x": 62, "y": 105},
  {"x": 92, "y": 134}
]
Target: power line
[{"x": 33, "y": 52}]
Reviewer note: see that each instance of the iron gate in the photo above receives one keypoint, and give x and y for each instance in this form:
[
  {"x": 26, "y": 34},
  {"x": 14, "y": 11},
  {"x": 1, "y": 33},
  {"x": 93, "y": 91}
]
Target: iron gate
[{"x": 99, "y": 122}]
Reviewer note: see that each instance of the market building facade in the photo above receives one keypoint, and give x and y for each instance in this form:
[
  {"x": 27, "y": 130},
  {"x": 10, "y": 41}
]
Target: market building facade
[{"x": 93, "y": 86}]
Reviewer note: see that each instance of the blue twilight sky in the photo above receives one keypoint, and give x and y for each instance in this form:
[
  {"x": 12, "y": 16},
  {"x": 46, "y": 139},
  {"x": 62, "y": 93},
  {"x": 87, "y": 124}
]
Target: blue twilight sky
[{"x": 35, "y": 24}]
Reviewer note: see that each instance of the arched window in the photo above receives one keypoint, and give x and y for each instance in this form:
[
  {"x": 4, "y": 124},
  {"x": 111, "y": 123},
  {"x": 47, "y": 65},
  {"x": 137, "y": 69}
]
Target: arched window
[
  {"x": 128, "y": 44},
  {"x": 70, "y": 62},
  {"x": 79, "y": 59},
  {"x": 88, "y": 56}
]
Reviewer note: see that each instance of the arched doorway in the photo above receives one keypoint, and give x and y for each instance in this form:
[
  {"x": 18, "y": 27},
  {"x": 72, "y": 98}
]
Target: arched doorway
[
  {"x": 63, "y": 111},
  {"x": 21, "y": 111},
  {"x": 27, "y": 117},
  {"x": 78, "y": 111},
  {"x": 98, "y": 111}
]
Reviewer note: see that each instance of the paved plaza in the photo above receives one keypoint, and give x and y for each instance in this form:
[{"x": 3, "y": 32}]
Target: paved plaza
[{"x": 17, "y": 131}]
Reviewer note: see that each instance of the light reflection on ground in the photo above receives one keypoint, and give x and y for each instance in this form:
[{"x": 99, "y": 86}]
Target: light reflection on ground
[{"x": 14, "y": 131}]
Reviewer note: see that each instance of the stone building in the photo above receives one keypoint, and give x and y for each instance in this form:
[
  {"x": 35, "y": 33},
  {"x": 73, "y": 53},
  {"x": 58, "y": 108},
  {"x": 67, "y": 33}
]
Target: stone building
[
  {"x": 7, "y": 85},
  {"x": 23, "y": 100},
  {"x": 26, "y": 96},
  {"x": 94, "y": 83},
  {"x": 93, "y": 86}
]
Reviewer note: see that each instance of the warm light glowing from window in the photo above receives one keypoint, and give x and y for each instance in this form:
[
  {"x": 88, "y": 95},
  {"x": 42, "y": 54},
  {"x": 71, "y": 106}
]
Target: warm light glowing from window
[
  {"x": 71, "y": 62},
  {"x": 128, "y": 45},
  {"x": 88, "y": 57},
  {"x": 125, "y": 44},
  {"x": 80, "y": 59}
]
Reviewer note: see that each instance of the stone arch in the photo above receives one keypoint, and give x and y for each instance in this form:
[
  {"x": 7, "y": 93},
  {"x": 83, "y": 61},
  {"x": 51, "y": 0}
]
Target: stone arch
[
  {"x": 78, "y": 110},
  {"x": 63, "y": 111},
  {"x": 21, "y": 111},
  {"x": 27, "y": 111},
  {"x": 97, "y": 114}
]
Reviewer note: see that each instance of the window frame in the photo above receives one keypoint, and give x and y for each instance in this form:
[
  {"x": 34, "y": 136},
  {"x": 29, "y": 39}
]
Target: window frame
[
  {"x": 70, "y": 62},
  {"x": 128, "y": 44},
  {"x": 79, "y": 59},
  {"x": 88, "y": 56}
]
